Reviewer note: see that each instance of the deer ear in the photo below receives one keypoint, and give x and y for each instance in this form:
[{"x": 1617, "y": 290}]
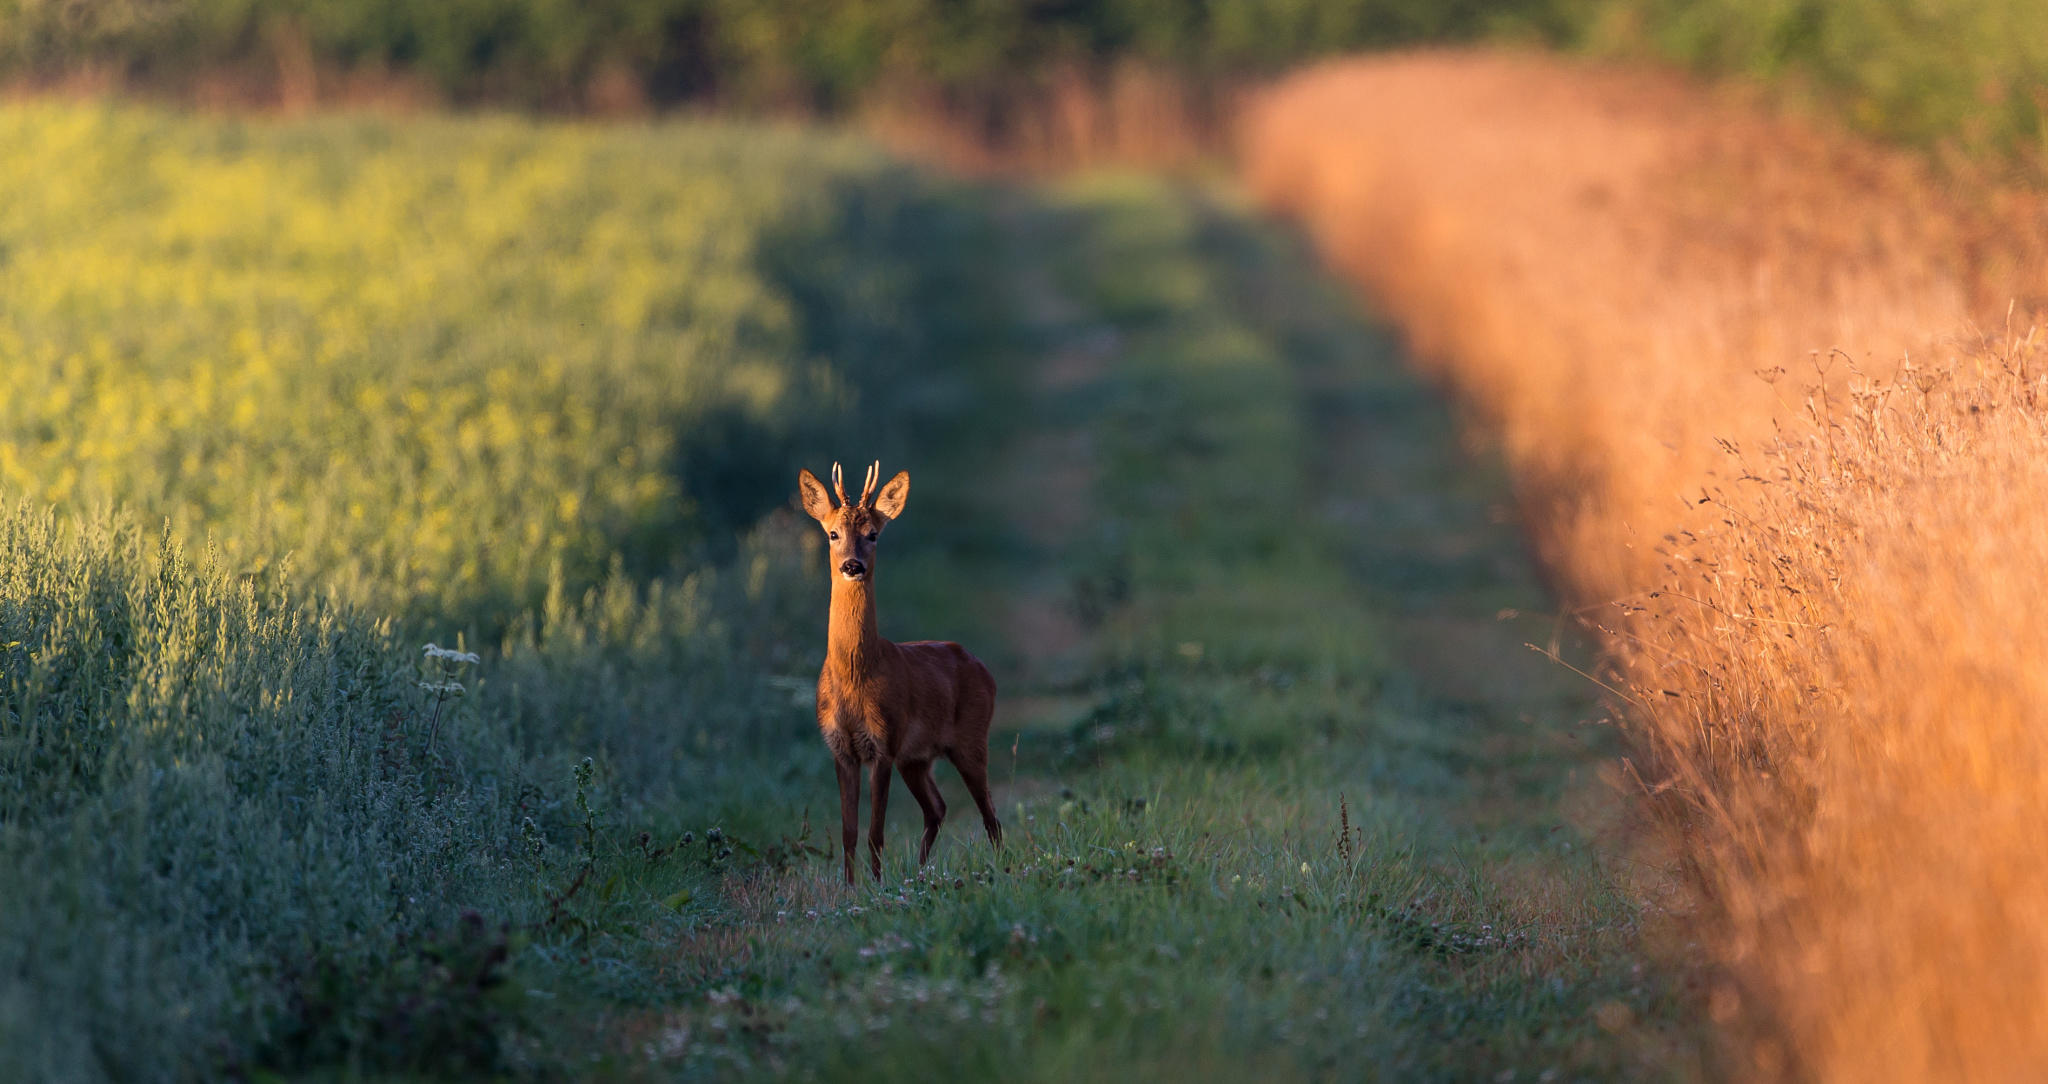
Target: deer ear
[
  {"x": 816, "y": 501},
  {"x": 894, "y": 496}
]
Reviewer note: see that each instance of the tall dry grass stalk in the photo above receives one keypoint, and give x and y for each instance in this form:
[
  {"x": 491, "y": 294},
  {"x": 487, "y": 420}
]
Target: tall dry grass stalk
[{"x": 1776, "y": 435}]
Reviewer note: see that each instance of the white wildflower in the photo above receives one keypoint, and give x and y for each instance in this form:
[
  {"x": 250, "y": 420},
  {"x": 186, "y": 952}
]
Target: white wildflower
[{"x": 436, "y": 651}]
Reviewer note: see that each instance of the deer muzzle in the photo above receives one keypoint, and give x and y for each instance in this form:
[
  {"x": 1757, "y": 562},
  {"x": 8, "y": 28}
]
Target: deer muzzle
[{"x": 853, "y": 569}]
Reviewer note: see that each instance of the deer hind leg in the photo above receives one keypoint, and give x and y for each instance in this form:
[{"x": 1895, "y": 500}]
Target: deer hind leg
[
  {"x": 975, "y": 774},
  {"x": 880, "y": 800},
  {"x": 918, "y": 777},
  {"x": 849, "y": 809}
]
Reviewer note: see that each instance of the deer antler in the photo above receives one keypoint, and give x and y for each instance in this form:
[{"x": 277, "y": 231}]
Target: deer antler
[
  {"x": 867, "y": 492},
  {"x": 838, "y": 485}
]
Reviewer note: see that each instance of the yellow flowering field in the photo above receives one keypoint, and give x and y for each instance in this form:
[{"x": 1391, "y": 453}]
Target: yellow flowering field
[{"x": 427, "y": 360}]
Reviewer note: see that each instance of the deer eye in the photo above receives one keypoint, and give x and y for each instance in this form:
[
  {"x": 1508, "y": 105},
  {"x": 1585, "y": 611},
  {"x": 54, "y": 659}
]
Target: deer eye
[
  {"x": 872, "y": 535},
  {"x": 834, "y": 535}
]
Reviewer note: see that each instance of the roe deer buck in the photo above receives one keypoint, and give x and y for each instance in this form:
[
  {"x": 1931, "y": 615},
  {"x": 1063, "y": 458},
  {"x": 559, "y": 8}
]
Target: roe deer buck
[{"x": 894, "y": 706}]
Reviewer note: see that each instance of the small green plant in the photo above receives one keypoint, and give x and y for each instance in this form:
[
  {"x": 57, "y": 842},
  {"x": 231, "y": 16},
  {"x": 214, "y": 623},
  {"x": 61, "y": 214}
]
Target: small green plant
[
  {"x": 717, "y": 850},
  {"x": 558, "y": 899}
]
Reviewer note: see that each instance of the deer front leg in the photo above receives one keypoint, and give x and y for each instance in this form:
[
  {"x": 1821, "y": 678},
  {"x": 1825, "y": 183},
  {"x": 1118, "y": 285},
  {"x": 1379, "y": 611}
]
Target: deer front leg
[
  {"x": 880, "y": 799},
  {"x": 849, "y": 809}
]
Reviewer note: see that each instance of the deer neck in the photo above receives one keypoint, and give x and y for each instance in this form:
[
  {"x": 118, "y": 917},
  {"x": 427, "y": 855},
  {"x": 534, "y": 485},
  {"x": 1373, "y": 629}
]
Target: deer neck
[{"x": 853, "y": 646}]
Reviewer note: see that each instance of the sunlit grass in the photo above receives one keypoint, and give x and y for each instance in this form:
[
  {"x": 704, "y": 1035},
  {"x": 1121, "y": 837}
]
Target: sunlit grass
[{"x": 1772, "y": 402}]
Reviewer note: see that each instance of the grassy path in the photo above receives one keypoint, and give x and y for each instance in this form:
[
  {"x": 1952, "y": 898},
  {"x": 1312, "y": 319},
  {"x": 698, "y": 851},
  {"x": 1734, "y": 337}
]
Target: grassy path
[{"x": 1285, "y": 791}]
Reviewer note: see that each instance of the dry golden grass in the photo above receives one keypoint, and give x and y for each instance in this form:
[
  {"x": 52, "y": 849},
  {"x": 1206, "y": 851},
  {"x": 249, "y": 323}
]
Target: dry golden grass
[{"x": 1736, "y": 365}]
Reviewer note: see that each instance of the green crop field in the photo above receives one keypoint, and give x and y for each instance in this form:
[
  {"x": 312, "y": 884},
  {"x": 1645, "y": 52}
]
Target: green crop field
[{"x": 285, "y": 402}]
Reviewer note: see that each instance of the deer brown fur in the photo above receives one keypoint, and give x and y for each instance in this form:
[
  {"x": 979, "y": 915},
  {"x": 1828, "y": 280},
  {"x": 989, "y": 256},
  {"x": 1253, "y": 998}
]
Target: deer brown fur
[{"x": 891, "y": 707}]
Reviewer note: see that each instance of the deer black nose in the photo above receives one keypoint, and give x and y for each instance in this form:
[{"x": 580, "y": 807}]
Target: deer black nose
[{"x": 852, "y": 568}]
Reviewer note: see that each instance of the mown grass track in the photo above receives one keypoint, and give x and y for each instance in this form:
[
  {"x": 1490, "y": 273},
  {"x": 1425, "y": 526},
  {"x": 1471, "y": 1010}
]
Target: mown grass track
[{"x": 1242, "y": 586}]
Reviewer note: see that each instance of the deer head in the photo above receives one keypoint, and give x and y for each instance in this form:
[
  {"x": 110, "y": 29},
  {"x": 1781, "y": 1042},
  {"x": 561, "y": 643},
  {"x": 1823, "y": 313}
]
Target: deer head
[{"x": 852, "y": 527}]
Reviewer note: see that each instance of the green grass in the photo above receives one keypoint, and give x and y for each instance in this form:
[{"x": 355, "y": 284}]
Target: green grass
[{"x": 1239, "y": 586}]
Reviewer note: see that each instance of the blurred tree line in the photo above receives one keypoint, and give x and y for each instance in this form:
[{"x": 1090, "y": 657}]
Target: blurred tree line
[
  {"x": 1966, "y": 73},
  {"x": 813, "y": 54}
]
